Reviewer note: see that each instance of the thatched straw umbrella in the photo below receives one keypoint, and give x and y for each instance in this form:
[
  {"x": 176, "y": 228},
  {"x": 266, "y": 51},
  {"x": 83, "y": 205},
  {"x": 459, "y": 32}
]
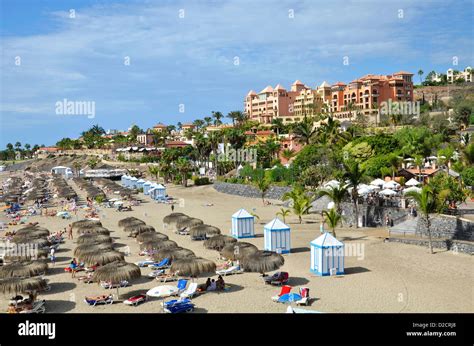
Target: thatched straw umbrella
[
  {"x": 94, "y": 230},
  {"x": 16, "y": 285},
  {"x": 27, "y": 255},
  {"x": 91, "y": 247},
  {"x": 172, "y": 218},
  {"x": 172, "y": 253},
  {"x": 23, "y": 269},
  {"x": 32, "y": 229},
  {"x": 130, "y": 221},
  {"x": 204, "y": 230},
  {"x": 188, "y": 222},
  {"x": 217, "y": 242},
  {"x": 116, "y": 272},
  {"x": 101, "y": 257},
  {"x": 193, "y": 266},
  {"x": 158, "y": 244},
  {"x": 85, "y": 224},
  {"x": 93, "y": 238},
  {"x": 238, "y": 250},
  {"x": 24, "y": 238},
  {"x": 179, "y": 218},
  {"x": 137, "y": 229},
  {"x": 262, "y": 261},
  {"x": 151, "y": 236}
]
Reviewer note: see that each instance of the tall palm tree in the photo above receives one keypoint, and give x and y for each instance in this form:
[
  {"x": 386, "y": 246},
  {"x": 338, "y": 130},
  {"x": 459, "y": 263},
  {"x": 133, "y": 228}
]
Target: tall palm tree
[
  {"x": 208, "y": 121},
  {"x": 263, "y": 185},
  {"x": 184, "y": 167},
  {"x": 428, "y": 202},
  {"x": 337, "y": 194},
  {"x": 332, "y": 218},
  {"x": 355, "y": 175},
  {"x": 217, "y": 118},
  {"x": 420, "y": 73}
]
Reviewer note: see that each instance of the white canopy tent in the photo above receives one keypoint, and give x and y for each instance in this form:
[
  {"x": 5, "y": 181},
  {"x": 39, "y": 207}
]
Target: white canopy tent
[
  {"x": 412, "y": 182},
  {"x": 387, "y": 192},
  {"x": 377, "y": 182}
]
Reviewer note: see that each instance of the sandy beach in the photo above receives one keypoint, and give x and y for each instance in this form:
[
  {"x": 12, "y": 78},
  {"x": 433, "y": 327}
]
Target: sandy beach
[{"x": 384, "y": 277}]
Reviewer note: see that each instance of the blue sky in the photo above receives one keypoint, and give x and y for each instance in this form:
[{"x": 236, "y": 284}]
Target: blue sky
[{"x": 190, "y": 61}]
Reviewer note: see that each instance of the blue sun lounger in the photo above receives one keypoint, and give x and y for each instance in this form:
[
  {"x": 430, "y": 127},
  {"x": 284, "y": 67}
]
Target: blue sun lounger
[{"x": 165, "y": 263}]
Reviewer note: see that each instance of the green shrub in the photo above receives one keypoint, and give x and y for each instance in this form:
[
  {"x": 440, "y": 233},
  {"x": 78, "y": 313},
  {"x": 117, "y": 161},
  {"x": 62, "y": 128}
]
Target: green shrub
[{"x": 201, "y": 181}]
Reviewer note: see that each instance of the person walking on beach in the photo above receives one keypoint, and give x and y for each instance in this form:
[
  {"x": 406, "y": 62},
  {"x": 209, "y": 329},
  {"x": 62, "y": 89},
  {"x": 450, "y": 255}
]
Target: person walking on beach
[
  {"x": 53, "y": 256},
  {"x": 172, "y": 207},
  {"x": 69, "y": 233}
]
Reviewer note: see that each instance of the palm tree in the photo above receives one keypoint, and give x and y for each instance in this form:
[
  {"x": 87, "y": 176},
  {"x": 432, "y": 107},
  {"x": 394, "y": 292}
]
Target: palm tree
[
  {"x": 337, "y": 194},
  {"x": 284, "y": 213},
  {"x": 287, "y": 154},
  {"x": 263, "y": 185},
  {"x": 332, "y": 218},
  {"x": 304, "y": 131},
  {"x": 184, "y": 167},
  {"x": 217, "y": 118},
  {"x": 154, "y": 171},
  {"x": 301, "y": 202},
  {"x": 419, "y": 162},
  {"x": 355, "y": 175},
  {"x": 428, "y": 202},
  {"x": 208, "y": 121},
  {"x": 420, "y": 73}
]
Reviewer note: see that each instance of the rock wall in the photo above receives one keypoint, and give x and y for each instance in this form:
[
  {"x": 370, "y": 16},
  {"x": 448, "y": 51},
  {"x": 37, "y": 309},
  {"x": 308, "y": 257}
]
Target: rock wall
[
  {"x": 444, "y": 226},
  {"x": 447, "y": 244},
  {"x": 275, "y": 192}
]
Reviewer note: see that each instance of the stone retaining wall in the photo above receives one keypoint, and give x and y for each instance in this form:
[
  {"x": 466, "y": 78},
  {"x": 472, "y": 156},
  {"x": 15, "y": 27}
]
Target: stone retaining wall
[
  {"x": 444, "y": 226},
  {"x": 447, "y": 244},
  {"x": 275, "y": 192}
]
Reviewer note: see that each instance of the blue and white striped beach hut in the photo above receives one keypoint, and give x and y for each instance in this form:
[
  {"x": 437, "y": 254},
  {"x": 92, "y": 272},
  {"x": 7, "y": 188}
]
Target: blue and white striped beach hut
[
  {"x": 277, "y": 236},
  {"x": 158, "y": 192},
  {"x": 133, "y": 182},
  {"x": 126, "y": 179},
  {"x": 146, "y": 187},
  {"x": 327, "y": 253},
  {"x": 122, "y": 179},
  {"x": 140, "y": 183},
  {"x": 242, "y": 224}
]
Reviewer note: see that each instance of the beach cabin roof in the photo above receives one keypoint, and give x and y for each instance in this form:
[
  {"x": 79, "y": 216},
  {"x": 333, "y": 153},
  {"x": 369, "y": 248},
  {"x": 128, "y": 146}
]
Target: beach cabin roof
[
  {"x": 276, "y": 224},
  {"x": 148, "y": 183},
  {"x": 60, "y": 167},
  {"x": 140, "y": 181},
  {"x": 326, "y": 240},
  {"x": 242, "y": 214},
  {"x": 159, "y": 186},
  {"x": 134, "y": 179}
]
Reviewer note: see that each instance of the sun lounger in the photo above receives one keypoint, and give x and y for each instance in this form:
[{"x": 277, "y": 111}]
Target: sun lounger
[
  {"x": 93, "y": 301},
  {"x": 190, "y": 291},
  {"x": 304, "y": 292},
  {"x": 147, "y": 263},
  {"x": 183, "y": 231},
  {"x": 38, "y": 307},
  {"x": 181, "y": 285},
  {"x": 284, "y": 290},
  {"x": 167, "y": 277},
  {"x": 165, "y": 263},
  {"x": 175, "y": 301},
  {"x": 135, "y": 300},
  {"x": 156, "y": 273},
  {"x": 230, "y": 271},
  {"x": 279, "y": 278},
  {"x": 110, "y": 285},
  {"x": 179, "y": 307}
]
